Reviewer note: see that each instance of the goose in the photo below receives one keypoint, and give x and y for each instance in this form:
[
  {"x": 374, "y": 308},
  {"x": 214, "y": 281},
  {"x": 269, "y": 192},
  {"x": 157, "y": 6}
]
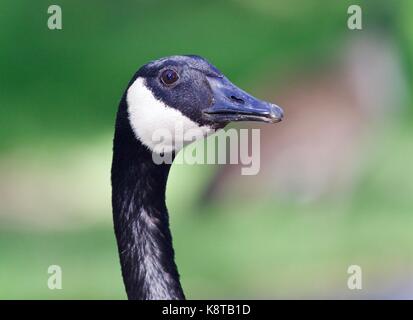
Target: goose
[{"x": 176, "y": 89}]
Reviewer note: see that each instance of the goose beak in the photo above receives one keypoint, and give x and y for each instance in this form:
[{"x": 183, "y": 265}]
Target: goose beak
[{"x": 230, "y": 103}]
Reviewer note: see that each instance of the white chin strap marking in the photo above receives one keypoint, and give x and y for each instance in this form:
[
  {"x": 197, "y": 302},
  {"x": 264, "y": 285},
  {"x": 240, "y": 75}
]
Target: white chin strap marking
[{"x": 158, "y": 126}]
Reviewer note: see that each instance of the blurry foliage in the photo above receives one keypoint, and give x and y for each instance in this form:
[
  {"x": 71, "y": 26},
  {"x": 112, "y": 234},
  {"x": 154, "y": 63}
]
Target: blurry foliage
[
  {"x": 406, "y": 35},
  {"x": 66, "y": 84},
  {"x": 244, "y": 249}
]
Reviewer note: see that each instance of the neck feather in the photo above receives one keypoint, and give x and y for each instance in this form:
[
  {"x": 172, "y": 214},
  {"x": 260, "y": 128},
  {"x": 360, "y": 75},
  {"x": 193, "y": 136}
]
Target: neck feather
[{"x": 141, "y": 220}]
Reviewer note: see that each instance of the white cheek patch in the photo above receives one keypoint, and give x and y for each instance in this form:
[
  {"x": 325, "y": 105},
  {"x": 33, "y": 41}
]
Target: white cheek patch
[{"x": 159, "y": 127}]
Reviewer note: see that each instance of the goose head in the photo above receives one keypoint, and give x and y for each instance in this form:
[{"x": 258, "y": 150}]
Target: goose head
[{"x": 187, "y": 94}]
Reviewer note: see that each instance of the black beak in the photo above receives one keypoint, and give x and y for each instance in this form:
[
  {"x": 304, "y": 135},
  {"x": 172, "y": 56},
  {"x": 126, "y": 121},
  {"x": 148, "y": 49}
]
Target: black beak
[{"x": 230, "y": 103}]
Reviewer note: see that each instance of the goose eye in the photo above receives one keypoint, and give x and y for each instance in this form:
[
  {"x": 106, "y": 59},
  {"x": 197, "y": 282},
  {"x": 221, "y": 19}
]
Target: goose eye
[{"x": 169, "y": 76}]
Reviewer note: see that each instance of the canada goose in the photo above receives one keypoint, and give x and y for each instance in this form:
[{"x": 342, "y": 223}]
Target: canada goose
[{"x": 184, "y": 89}]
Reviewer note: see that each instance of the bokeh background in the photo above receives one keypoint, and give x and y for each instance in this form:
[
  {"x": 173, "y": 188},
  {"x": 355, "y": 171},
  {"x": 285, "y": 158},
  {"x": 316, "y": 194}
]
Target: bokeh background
[{"x": 336, "y": 181}]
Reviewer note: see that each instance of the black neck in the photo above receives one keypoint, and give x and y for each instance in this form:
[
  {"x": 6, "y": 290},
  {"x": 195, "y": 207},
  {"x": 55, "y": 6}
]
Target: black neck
[{"x": 141, "y": 219}]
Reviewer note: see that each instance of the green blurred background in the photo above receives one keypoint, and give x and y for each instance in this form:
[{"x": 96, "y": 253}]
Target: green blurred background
[{"x": 336, "y": 190}]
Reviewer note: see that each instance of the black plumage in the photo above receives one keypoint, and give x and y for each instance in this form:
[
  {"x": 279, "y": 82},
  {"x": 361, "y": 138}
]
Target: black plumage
[{"x": 141, "y": 220}]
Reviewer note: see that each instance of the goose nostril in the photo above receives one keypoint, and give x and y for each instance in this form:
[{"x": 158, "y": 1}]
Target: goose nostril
[{"x": 238, "y": 100}]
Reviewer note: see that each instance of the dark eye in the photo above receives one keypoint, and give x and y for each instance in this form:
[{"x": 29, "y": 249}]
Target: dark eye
[{"x": 169, "y": 77}]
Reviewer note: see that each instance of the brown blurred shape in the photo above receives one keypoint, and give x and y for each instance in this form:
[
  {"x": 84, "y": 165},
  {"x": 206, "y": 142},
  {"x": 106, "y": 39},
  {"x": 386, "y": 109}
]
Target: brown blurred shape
[{"x": 330, "y": 117}]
